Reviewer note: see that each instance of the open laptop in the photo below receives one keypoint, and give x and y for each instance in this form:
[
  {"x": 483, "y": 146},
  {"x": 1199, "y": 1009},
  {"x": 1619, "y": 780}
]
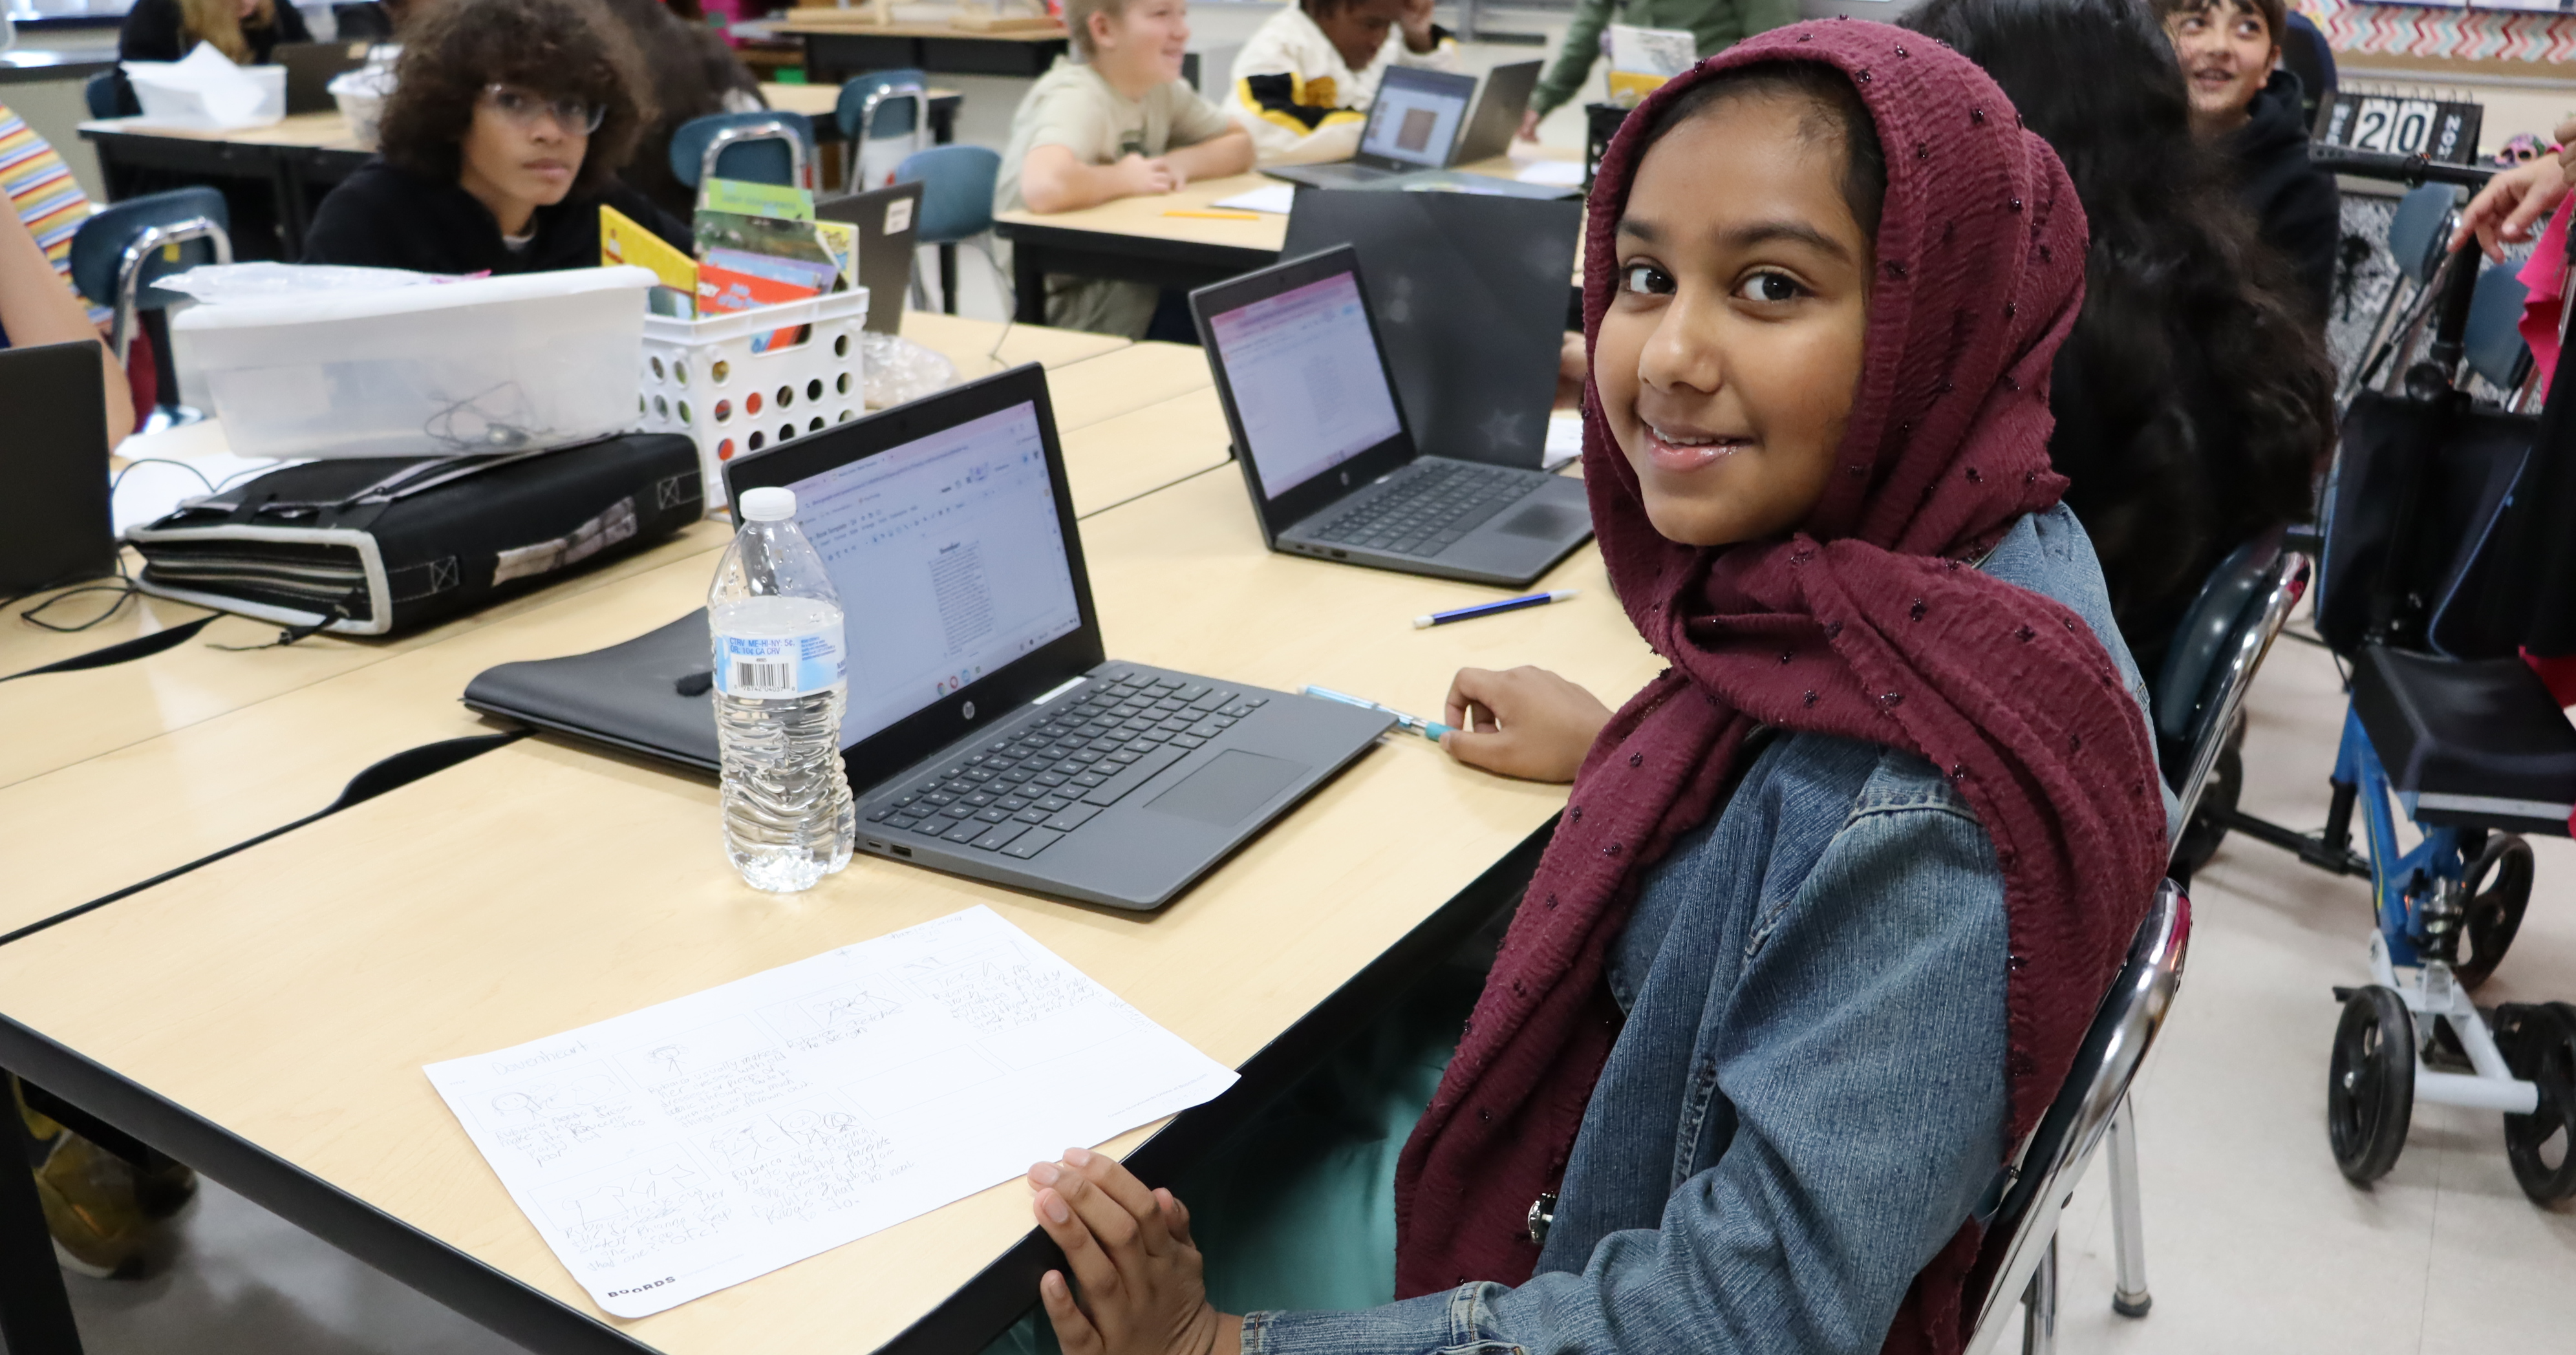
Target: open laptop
[
  {"x": 1471, "y": 298},
  {"x": 54, "y": 521},
  {"x": 985, "y": 734},
  {"x": 1499, "y": 106},
  {"x": 888, "y": 219},
  {"x": 310, "y": 67},
  {"x": 1413, "y": 125},
  {"x": 1329, "y": 457}
]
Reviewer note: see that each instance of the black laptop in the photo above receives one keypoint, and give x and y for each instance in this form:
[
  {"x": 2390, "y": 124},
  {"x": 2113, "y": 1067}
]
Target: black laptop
[
  {"x": 1499, "y": 105},
  {"x": 986, "y": 734},
  {"x": 1330, "y": 457},
  {"x": 888, "y": 220},
  {"x": 310, "y": 68},
  {"x": 54, "y": 521},
  {"x": 1413, "y": 125}
]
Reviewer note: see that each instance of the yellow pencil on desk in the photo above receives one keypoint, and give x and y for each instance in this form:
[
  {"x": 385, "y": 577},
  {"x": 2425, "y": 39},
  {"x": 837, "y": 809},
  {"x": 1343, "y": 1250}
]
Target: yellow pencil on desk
[{"x": 1214, "y": 216}]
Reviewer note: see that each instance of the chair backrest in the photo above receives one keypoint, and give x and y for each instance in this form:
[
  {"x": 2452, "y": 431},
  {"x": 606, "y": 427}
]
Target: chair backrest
[
  {"x": 872, "y": 105},
  {"x": 2419, "y": 228},
  {"x": 2053, "y": 1159},
  {"x": 118, "y": 253},
  {"x": 364, "y": 20},
  {"x": 2493, "y": 346},
  {"x": 956, "y": 191},
  {"x": 769, "y": 146},
  {"x": 108, "y": 96},
  {"x": 2212, "y": 659}
]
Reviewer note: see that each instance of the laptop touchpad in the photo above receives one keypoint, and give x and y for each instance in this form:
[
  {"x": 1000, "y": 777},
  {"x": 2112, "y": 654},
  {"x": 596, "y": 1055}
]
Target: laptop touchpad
[
  {"x": 1543, "y": 521},
  {"x": 1225, "y": 790}
]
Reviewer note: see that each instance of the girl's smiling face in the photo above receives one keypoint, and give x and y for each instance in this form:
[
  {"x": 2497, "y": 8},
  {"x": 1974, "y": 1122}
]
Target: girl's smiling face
[{"x": 1728, "y": 359}]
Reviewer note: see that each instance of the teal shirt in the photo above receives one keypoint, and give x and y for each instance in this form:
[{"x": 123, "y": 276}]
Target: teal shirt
[{"x": 1717, "y": 24}]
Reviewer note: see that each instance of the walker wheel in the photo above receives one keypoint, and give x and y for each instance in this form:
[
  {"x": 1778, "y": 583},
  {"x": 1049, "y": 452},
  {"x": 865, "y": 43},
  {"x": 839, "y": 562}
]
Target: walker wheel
[
  {"x": 2538, "y": 1041},
  {"x": 2370, "y": 1084},
  {"x": 2498, "y": 885},
  {"x": 2201, "y": 836}
]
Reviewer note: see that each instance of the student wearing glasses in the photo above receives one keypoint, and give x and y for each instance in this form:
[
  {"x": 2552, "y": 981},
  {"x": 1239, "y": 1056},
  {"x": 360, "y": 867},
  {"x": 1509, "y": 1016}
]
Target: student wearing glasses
[{"x": 502, "y": 140}]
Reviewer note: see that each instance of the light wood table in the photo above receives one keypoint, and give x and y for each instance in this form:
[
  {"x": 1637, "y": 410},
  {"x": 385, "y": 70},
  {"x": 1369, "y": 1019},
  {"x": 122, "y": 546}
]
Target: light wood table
[
  {"x": 292, "y": 163},
  {"x": 1126, "y": 380},
  {"x": 820, "y": 102},
  {"x": 271, "y": 1012},
  {"x": 1141, "y": 239},
  {"x": 124, "y": 773},
  {"x": 969, "y": 343}
]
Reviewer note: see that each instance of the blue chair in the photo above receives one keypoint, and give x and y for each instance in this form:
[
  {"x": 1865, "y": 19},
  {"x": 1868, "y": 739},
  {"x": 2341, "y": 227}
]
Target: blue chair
[
  {"x": 767, "y": 146},
  {"x": 881, "y": 112},
  {"x": 2493, "y": 346},
  {"x": 956, "y": 206},
  {"x": 119, "y": 253},
  {"x": 108, "y": 96}
]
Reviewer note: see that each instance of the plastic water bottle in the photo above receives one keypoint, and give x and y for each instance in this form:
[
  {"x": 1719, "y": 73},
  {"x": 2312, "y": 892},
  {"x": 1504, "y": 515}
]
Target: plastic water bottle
[{"x": 781, "y": 682}]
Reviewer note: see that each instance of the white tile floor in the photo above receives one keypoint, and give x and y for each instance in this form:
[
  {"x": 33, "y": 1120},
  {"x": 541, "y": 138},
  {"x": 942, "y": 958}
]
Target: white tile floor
[{"x": 2254, "y": 1242}]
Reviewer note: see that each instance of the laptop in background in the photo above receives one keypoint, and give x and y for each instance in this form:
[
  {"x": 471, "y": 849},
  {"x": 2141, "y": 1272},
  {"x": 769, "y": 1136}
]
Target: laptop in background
[
  {"x": 1413, "y": 125},
  {"x": 889, "y": 221},
  {"x": 1505, "y": 97},
  {"x": 1471, "y": 299},
  {"x": 54, "y": 523},
  {"x": 1327, "y": 450},
  {"x": 310, "y": 67},
  {"x": 986, "y": 734}
]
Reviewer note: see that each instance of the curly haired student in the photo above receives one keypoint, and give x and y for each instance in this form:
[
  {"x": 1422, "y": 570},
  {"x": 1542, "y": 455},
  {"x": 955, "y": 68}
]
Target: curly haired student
[{"x": 502, "y": 140}]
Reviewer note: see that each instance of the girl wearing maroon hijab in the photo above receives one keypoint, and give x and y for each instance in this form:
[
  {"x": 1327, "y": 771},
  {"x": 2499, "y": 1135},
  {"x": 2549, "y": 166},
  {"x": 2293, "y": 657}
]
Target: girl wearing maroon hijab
[{"x": 1834, "y": 898}]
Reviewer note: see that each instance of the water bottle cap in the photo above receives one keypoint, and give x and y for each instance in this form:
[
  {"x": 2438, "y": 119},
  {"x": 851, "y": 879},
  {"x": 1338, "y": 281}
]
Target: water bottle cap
[{"x": 773, "y": 504}]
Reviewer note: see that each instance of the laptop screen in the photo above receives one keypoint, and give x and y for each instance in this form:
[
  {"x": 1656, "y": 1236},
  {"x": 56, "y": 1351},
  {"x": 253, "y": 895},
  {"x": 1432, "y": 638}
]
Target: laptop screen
[
  {"x": 1414, "y": 122},
  {"x": 1307, "y": 383},
  {"x": 949, "y": 558}
]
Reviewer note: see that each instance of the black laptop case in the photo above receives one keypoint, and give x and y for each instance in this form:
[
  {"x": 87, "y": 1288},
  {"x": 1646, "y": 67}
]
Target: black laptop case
[{"x": 368, "y": 546}]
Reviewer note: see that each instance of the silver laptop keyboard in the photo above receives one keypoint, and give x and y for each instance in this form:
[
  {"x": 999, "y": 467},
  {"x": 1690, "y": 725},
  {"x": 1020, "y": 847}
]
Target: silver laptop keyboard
[
  {"x": 1020, "y": 795},
  {"x": 1426, "y": 513}
]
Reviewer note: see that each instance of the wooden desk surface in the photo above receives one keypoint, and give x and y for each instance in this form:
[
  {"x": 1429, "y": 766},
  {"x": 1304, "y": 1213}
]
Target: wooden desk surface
[
  {"x": 969, "y": 343},
  {"x": 1146, "y": 450},
  {"x": 113, "y": 775},
  {"x": 816, "y": 19},
  {"x": 1125, "y": 380},
  {"x": 820, "y": 101},
  {"x": 291, "y": 994},
  {"x": 306, "y": 131}
]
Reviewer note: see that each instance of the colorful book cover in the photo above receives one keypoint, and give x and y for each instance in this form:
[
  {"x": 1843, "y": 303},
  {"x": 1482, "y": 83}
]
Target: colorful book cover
[
  {"x": 778, "y": 202},
  {"x": 722, "y": 290},
  {"x": 624, "y": 241},
  {"x": 841, "y": 241},
  {"x": 1642, "y": 59},
  {"x": 760, "y": 235}
]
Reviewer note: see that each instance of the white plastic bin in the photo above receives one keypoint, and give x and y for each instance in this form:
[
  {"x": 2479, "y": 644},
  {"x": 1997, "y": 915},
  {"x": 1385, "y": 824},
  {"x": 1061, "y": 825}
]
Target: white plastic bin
[
  {"x": 482, "y": 365},
  {"x": 701, "y": 379},
  {"x": 180, "y": 106}
]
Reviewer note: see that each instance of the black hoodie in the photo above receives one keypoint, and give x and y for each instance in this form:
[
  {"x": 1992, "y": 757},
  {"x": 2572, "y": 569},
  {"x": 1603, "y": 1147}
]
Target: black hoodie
[
  {"x": 383, "y": 217},
  {"x": 2296, "y": 208}
]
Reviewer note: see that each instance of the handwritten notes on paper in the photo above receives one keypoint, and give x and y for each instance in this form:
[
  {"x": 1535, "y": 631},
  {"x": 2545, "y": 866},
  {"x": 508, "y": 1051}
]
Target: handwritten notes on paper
[{"x": 690, "y": 1146}]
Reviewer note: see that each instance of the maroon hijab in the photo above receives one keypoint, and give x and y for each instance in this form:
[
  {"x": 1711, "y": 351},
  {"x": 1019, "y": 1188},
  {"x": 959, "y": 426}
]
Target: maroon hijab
[{"x": 1866, "y": 624}]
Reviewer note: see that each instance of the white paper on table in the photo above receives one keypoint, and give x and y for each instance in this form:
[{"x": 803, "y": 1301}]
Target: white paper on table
[
  {"x": 151, "y": 487},
  {"x": 1270, "y": 197},
  {"x": 693, "y": 1145},
  {"x": 1564, "y": 439},
  {"x": 203, "y": 88},
  {"x": 1552, "y": 173}
]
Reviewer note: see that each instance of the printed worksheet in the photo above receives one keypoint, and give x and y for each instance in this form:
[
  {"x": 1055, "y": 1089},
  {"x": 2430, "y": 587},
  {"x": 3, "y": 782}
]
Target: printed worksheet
[{"x": 693, "y": 1145}]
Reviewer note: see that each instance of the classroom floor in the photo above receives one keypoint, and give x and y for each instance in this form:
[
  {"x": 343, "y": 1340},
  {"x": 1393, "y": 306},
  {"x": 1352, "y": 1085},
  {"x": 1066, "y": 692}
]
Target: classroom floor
[{"x": 2254, "y": 1241}]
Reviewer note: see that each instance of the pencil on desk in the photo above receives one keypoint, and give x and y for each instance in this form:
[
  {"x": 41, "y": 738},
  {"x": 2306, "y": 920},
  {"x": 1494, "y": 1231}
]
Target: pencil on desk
[{"x": 1214, "y": 216}]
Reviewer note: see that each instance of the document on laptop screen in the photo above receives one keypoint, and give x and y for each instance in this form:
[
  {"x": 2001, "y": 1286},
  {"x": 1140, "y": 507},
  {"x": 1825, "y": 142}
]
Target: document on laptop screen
[
  {"x": 949, "y": 560},
  {"x": 1413, "y": 126},
  {"x": 695, "y": 1144},
  {"x": 1306, "y": 379}
]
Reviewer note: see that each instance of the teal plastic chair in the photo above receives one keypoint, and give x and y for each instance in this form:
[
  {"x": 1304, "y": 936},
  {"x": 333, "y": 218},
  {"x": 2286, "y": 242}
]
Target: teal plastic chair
[
  {"x": 766, "y": 146},
  {"x": 2492, "y": 345},
  {"x": 118, "y": 254},
  {"x": 956, "y": 208},
  {"x": 879, "y": 112}
]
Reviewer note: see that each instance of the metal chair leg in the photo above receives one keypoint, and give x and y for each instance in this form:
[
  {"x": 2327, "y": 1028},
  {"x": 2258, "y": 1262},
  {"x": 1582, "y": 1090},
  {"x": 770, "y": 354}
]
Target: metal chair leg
[
  {"x": 2039, "y": 1306},
  {"x": 2129, "y": 1296}
]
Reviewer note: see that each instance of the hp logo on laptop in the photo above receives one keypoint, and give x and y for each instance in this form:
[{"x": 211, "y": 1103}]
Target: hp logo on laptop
[
  {"x": 1346, "y": 479},
  {"x": 969, "y": 711}
]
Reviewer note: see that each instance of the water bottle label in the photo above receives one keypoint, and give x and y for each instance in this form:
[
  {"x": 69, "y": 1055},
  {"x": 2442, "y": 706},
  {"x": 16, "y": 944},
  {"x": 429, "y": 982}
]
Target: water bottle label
[{"x": 783, "y": 665}]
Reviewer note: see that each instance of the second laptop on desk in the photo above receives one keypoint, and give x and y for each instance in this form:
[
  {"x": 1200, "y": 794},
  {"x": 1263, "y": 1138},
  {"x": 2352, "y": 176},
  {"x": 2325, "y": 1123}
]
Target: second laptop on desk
[
  {"x": 986, "y": 733},
  {"x": 1329, "y": 456}
]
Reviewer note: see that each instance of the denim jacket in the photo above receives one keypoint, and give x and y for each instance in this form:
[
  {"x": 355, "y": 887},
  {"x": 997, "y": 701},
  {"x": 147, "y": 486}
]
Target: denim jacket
[{"x": 1807, "y": 1099}]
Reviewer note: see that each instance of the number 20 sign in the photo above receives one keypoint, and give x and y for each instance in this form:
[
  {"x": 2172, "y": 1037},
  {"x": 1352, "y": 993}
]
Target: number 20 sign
[{"x": 2398, "y": 126}]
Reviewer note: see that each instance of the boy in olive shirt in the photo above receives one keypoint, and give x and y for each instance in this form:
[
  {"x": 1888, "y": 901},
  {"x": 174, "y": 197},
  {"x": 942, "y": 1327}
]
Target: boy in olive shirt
[{"x": 1118, "y": 123}]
